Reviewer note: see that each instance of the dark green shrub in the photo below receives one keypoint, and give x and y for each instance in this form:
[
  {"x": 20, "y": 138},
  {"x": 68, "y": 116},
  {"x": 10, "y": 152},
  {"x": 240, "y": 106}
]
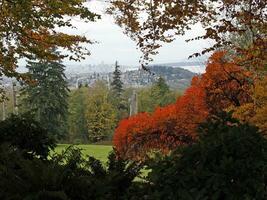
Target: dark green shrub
[
  {"x": 228, "y": 162},
  {"x": 66, "y": 176},
  {"x": 33, "y": 179},
  {"x": 27, "y": 135},
  {"x": 93, "y": 180}
]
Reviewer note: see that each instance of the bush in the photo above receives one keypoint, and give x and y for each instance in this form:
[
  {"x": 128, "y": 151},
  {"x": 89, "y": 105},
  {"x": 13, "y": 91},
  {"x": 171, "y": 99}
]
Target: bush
[
  {"x": 24, "y": 133},
  {"x": 66, "y": 176},
  {"x": 228, "y": 162}
]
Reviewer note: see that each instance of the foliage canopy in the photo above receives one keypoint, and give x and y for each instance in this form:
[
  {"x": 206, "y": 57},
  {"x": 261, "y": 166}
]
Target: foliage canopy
[
  {"x": 151, "y": 23},
  {"x": 30, "y": 29}
]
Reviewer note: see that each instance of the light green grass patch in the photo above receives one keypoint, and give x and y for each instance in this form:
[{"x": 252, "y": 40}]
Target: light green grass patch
[{"x": 100, "y": 152}]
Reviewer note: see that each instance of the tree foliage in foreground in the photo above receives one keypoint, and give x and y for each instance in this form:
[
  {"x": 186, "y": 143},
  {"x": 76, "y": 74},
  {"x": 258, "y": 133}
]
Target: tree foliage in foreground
[
  {"x": 255, "y": 112},
  {"x": 151, "y": 23},
  {"x": 229, "y": 161},
  {"x": 66, "y": 176},
  {"x": 29, "y": 29},
  {"x": 26, "y": 135}
]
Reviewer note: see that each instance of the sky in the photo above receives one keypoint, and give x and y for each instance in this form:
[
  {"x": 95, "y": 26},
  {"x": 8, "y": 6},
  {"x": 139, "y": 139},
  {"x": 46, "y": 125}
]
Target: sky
[{"x": 112, "y": 44}]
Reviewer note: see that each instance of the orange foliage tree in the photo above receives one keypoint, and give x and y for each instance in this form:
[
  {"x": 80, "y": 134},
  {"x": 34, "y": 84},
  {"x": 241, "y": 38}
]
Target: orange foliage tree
[
  {"x": 225, "y": 83},
  {"x": 255, "y": 112},
  {"x": 165, "y": 129}
]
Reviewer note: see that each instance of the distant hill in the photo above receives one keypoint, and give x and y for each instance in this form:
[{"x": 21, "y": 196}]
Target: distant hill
[
  {"x": 176, "y": 78},
  {"x": 196, "y": 67}
]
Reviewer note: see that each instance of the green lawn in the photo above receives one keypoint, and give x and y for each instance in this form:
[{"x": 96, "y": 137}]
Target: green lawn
[{"x": 98, "y": 151}]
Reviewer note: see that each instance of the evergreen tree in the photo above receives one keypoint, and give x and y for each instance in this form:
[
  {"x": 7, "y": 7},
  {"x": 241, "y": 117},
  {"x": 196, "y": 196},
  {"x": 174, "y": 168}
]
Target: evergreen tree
[
  {"x": 47, "y": 97},
  {"x": 160, "y": 93},
  {"x": 116, "y": 94},
  {"x": 116, "y": 84},
  {"x": 157, "y": 95}
]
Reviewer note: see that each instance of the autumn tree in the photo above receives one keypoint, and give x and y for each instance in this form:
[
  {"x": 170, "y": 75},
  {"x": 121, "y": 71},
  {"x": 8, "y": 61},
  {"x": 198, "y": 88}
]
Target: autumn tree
[
  {"x": 255, "y": 112},
  {"x": 164, "y": 129},
  {"x": 223, "y": 86},
  {"x": 31, "y": 29},
  {"x": 77, "y": 125},
  {"x": 225, "y": 83},
  {"x": 100, "y": 114},
  {"x": 152, "y": 23}
]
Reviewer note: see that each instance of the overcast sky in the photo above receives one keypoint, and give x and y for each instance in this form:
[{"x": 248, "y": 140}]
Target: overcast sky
[{"x": 114, "y": 45}]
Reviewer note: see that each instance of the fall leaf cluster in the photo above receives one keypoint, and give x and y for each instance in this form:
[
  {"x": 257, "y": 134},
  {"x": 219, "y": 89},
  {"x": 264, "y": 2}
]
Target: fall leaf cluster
[
  {"x": 30, "y": 29},
  {"x": 152, "y": 23}
]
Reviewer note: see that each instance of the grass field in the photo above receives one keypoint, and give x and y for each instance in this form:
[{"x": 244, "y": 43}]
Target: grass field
[{"x": 98, "y": 151}]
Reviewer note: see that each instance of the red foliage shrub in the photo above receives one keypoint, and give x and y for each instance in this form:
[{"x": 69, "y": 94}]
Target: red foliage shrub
[{"x": 164, "y": 129}]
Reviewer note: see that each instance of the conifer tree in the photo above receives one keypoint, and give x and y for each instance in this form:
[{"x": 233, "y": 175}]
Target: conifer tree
[
  {"x": 116, "y": 84},
  {"x": 157, "y": 95},
  {"x": 117, "y": 98},
  {"x": 47, "y": 97},
  {"x": 160, "y": 91}
]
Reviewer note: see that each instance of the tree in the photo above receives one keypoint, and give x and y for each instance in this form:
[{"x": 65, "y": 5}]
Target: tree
[
  {"x": 145, "y": 102},
  {"x": 77, "y": 124},
  {"x": 47, "y": 97},
  {"x": 228, "y": 162},
  {"x": 100, "y": 114},
  {"x": 30, "y": 29},
  {"x": 225, "y": 83},
  {"x": 116, "y": 94},
  {"x": 161, "y": 93},
  {"x": 116, "y": 84},
  {"x": 164, "y": 129},
  {"x": 157, "y": 95},
  {"x": 151, "y": 23},
  {"x": 255, "y": 112},
  {"x": 23, "y": 133}
]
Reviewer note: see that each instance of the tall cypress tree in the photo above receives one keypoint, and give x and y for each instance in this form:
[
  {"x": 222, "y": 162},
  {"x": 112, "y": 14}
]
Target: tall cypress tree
[{"x": 47, "y": 97}]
